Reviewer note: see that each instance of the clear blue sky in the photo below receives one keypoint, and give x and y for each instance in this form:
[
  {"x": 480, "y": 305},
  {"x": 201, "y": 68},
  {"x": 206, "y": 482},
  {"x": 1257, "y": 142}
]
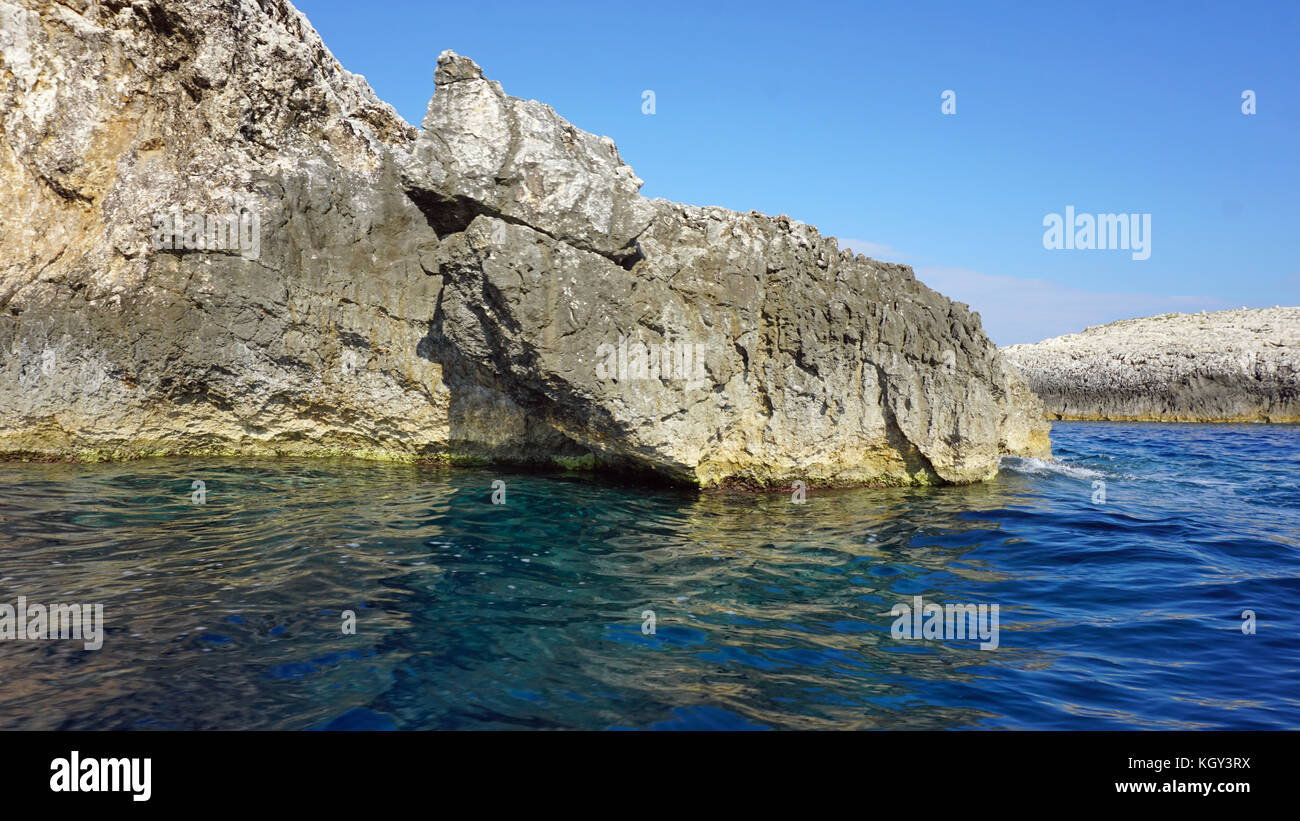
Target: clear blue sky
[{"x": 831, "y": 113}]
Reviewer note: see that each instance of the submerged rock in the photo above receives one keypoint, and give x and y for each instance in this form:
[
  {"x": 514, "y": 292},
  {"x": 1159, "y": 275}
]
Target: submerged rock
[
  {"x": 1226, "y": 366},
  {"x": 219, "y": 240}
]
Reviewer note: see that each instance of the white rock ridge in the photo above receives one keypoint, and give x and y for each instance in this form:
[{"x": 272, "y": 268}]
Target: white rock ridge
[{"x": 1226, "y": 366}]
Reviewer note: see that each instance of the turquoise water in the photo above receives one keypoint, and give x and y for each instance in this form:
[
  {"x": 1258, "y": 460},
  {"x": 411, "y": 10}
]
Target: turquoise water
[{"x": 768, "y": 614}]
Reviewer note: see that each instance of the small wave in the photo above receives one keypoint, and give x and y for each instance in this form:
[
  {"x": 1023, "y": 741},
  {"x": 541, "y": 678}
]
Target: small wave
[{"x": 1031, "y": 466}]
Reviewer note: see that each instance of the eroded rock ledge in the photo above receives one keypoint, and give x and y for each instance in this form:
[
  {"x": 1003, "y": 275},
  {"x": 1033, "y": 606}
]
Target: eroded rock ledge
[
  {"x": 1226, "y": 366},
  {"x": 491, "y": 287}
]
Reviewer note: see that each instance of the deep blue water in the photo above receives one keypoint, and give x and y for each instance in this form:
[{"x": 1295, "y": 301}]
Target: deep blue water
[{"x": 768, "y": 614}]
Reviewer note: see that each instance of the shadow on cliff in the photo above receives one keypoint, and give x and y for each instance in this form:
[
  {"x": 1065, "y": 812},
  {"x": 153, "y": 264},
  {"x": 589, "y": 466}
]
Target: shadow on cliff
[{"x": 495, "y": 419}]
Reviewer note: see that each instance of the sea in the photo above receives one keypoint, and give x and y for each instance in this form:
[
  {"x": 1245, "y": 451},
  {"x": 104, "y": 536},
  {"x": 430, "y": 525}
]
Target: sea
[{"x": 1147, "y": 577}]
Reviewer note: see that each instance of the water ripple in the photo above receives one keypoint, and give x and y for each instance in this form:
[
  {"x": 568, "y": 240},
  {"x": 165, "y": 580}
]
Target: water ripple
[{"x": 768, "y": 614}]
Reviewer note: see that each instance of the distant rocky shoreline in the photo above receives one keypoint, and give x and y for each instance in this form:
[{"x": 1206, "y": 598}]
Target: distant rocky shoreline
[{"x": 1227, "y": 366}]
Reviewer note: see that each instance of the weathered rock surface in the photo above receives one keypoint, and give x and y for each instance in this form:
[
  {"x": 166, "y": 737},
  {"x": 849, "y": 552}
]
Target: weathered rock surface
[
  {"x": 114, "y": 112},
  {"x": 492, "y": 287},
  {"x": 483, "y": 151},
  {"x": 1227, "y": 366}
]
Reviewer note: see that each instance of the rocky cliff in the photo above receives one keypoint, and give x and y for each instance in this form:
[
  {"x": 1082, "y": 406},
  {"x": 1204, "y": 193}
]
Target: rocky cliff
[
  {"x": 1227, "y": 366},
  {"x": 217, "y": 240}
]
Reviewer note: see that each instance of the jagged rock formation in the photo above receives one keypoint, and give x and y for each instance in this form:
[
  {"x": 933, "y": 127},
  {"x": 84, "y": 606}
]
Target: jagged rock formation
[
  {"x": 219, "y": 241},
  {"x": 1227, "y": 366}
]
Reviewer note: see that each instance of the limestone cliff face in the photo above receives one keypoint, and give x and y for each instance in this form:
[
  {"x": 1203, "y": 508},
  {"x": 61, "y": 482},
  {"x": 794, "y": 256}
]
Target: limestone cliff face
[
  {"x": 218, "y": 240},
  {"x": 1226, "y": 366},
  {"x": 114, "y": 113}
]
